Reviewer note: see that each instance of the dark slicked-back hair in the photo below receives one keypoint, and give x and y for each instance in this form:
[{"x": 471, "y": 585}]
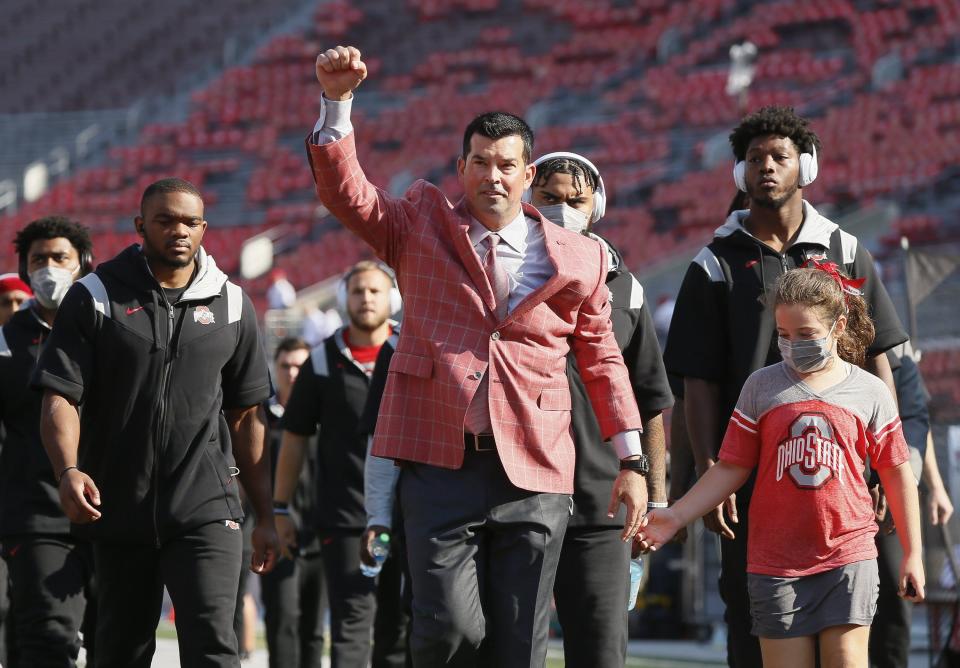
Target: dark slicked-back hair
[
  {"x": 583, "y": 176},
  {"x": 497, "y": 125},
  {"x": 288, "y": 345},
  {"x": 169, "y": 185},
  {"x": 779, "y": 121},
  {"x": 54, "y": 227}
]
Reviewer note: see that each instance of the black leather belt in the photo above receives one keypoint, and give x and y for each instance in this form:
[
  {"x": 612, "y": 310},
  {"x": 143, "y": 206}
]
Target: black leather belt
[{"x": 479, "y": 442}]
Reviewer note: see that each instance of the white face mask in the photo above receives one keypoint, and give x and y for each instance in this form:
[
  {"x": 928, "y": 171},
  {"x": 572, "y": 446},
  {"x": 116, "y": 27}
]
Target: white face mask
[
  {"x": 808, "y": 355},
  {"x": 566, "y": 216},
  {"x": 50, "y": 284}
]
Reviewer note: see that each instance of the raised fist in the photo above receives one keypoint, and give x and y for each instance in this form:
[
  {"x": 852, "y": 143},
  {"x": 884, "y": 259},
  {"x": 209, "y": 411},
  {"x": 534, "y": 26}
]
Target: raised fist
[{"x": 339, "y": 71}]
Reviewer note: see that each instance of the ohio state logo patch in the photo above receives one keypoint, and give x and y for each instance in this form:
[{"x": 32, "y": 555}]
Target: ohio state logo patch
[
  {"x": 203, "y": 315},
  {"x": 810, "y": 454}
]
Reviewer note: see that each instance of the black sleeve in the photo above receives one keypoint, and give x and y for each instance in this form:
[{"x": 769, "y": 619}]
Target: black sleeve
[
  {"x": 912, "y": 400},
  {"x": 245, "y": 378},
  {"x": 378, "y": 383},
  {"x": 697, "y": 341},
  {"x": 886, "y": 323},
  {"x": 302, "y": 412},
  {"x": 67, "y": 362},
  {"x": 645, "y": 365}
]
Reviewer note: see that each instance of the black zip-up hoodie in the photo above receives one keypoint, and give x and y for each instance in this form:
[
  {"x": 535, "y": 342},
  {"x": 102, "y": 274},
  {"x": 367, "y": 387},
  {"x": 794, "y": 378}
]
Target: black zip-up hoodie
[
  {"x": 151, "y": 379},
  {"x": 597, "y": 462},
  {"x": 29, "y": 501},
  {"x": 722, "y": 331}
]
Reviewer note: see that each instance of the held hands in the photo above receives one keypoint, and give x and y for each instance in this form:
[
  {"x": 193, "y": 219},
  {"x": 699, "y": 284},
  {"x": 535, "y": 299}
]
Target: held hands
[
  {"x": 630, "y": 488},
  {"x": 265, "y": 546},
  {"x": 76, "y": 487},
  {"x": 656, "y": 529},
  {"x": 372, "y": 532},
  {"x": 339, "y": 71},
  {"x": 715, "y": 522}
]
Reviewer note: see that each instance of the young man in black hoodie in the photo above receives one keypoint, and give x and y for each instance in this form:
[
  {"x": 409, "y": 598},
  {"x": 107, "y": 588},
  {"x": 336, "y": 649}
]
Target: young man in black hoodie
[
  {"x": 592, "y": 584},
  {"x": 328, "y": 399},
  {"x": 294, "y": 601},
  {"x": 722, "y": 332},
  {"x": 153, "y": 379},
  {"x": 51, "y": 572}
]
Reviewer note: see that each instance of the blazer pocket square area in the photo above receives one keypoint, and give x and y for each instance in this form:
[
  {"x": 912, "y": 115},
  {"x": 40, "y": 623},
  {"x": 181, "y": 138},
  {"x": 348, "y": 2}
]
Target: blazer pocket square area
[{"x": 412, "y": 365}]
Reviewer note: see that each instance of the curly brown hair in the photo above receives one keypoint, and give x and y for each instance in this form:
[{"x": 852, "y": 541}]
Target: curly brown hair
[{"x": 817, "y": 289}]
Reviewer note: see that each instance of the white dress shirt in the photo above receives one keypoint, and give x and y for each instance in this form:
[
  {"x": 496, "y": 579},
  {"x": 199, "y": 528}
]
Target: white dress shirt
[{"x": 522, "y": 250}]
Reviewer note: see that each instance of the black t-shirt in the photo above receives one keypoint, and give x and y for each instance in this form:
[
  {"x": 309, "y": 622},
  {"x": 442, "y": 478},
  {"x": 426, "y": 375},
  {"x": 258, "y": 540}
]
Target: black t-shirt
[
  {"x": 29, "y": 499},
  {"x": 330, "y": 393},
  {"x": 597, "y": 463}
]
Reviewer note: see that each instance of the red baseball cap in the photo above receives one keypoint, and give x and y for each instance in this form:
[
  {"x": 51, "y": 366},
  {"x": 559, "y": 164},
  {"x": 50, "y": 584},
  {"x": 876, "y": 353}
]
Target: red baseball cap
[{"x": 11, "y": 282}]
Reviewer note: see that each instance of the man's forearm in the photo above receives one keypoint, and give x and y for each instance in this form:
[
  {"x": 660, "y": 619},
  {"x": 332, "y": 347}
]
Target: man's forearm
[
  {"x": 59, "y": 431},
  {"x": 931, "y": 469},
  {"x": 702, "y": 410},
  {"x": 879, "y": 366},
  {"x": 248, "y": 435},
  {"x": 654, "y": 447},
  {"x": 289, "y": 465},
  {"x": 681, "y": 457},
  {"x": 379, "y": 489}
]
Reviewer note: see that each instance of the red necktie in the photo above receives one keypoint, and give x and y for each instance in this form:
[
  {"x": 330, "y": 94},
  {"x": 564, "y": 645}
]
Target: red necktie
[
  {"x": 497, "y": 277},
  {"x": 477, "y": 419}
]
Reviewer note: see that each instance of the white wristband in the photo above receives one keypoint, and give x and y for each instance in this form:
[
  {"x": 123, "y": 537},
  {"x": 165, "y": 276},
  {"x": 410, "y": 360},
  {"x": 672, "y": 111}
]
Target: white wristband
[{"x": 657, "y": 504}]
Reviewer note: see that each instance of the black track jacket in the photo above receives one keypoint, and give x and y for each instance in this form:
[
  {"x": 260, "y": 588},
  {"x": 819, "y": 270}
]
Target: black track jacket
[
  {"x": 721, "y": 330},
  {"x": 29, "y": 501},
  {"x": 151, "y": 380},
  {"x": 597, "y": 462}
]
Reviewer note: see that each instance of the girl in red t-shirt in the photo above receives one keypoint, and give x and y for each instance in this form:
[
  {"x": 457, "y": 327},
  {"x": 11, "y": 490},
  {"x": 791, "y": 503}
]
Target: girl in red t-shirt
[{"x": 809, "y": 425}]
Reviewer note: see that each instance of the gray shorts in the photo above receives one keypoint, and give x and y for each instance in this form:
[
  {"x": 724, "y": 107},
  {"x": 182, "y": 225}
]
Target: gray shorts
[{"x": 803, "y": 606}]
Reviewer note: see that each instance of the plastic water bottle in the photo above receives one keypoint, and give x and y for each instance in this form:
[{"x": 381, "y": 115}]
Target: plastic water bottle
[
  {"x": 380, "y": 550},
  {"x": 636, "y": 575}
]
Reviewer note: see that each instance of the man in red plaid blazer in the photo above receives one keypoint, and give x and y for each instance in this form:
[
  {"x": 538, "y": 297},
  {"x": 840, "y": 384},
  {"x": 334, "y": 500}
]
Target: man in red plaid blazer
[{"x": 477, "y": 405}]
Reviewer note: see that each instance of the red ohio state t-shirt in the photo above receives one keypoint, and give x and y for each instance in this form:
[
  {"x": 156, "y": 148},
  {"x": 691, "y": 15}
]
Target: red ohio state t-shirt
[{"x": 811, "y": 510}]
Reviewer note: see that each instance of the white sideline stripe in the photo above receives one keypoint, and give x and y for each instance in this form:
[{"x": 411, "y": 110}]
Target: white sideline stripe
[
  {"x": 98, "y": 291},
  {"x": 710, "y": 264},
  {"x": 318, "y": 360},
  {"x": 234, "y": 302}
]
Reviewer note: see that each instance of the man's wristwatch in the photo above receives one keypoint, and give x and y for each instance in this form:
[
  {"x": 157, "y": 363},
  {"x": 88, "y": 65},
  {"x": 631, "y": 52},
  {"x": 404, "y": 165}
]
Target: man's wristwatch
[{"x": 641, "y": 465}]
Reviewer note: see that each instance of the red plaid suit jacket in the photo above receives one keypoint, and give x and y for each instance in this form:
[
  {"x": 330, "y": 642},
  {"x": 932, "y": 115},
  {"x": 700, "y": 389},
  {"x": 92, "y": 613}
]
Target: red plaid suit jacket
[{"x": 450, "y": 335}]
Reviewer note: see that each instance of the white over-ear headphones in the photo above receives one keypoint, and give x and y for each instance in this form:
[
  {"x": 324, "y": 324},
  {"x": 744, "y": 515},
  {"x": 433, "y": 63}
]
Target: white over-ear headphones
[
  {"x": 808, "y": 170},
  {"x": 599, "y": 197},
  {"x": 396, "y": 302}
]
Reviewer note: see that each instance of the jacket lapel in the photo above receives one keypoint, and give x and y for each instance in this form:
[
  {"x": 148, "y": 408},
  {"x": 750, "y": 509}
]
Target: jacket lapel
[
  {"x": 553, "y": 245},
  {"x": 459, "y": 232}
]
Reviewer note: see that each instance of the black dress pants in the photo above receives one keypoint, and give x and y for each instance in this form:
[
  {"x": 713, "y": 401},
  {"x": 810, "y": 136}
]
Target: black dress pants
[
  {"x": 356, "y": 609},
  {"x": 294, "y": 609},
  {"x": 392, "y": 619},
  {"x": 743, "y": 648},
  {"x": 201, "y": 571},
  {"x": 890, "y": 631},
  {"x": 51, "y": 579},
  {"x": 482, "y": 555},
  {"x": 591, "y": 591}
]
